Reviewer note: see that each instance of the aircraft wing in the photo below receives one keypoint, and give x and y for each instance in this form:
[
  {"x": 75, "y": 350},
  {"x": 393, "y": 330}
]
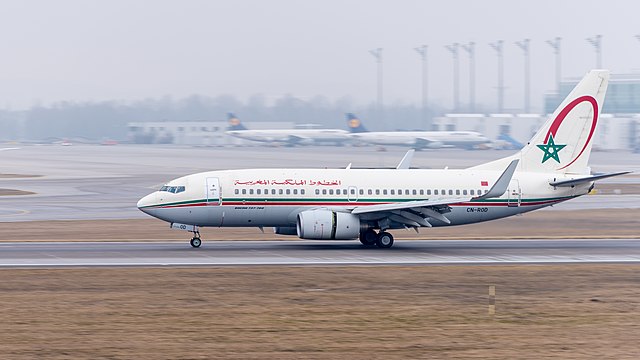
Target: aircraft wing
[
  {"x": 297, "y": 139},
  {"x": 421, "y": 212},
  {"x": 407, "y": 205},
  {"x": 424, "y": 142}
]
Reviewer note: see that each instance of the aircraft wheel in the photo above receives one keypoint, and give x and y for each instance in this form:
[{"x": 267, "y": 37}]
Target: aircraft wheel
[
  {"x": 368, "y": 237},
  {"x": 196, "y": 242},
  {"x": 385, "y": 240}
]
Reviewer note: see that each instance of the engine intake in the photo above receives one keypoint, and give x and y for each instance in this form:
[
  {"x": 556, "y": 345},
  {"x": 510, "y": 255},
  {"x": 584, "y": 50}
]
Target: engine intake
[{"x": 327, "y": 225}]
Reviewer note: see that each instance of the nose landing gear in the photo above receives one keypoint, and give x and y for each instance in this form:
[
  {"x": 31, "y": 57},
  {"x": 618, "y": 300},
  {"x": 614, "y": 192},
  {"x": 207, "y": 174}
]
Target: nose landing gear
[{"x": 195, "y": 241}]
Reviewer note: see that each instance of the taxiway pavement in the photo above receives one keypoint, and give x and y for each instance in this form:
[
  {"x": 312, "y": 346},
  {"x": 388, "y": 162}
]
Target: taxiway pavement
[
  {"x": 89, "y": 182},
  {"x": 318, "y": 253}
]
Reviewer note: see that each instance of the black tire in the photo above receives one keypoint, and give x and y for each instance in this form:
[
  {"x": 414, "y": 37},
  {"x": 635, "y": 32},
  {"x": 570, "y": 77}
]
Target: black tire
[
  {"x": 368, "y": 238},
  {"x": 196, "y": 242},
  {"x": 385, "y": 240}
]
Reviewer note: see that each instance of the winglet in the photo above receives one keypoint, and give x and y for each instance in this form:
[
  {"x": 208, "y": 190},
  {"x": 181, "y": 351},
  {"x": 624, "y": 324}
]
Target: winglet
[
  {"x": 405, "y": 163},
  {"x": 502, "y": 184}
]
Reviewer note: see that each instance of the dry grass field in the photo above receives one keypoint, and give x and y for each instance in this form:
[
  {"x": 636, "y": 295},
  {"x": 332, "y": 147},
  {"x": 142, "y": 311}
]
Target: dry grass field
[{"x": 387, "y": 312}]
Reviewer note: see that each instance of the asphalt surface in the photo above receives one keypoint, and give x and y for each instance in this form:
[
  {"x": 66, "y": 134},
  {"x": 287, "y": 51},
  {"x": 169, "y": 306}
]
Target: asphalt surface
[
  {"x": 89, "y": 182},
  {"x": 318, "y": 253}
]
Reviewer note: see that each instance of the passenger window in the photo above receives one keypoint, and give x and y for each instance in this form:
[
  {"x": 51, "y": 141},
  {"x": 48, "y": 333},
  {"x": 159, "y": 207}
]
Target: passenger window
[
  {"x": 486, "y": 191},
  {"x": 414, "y": 192},
  {"x": 393, "y": 192},
  {"x": 377, "y": 191},
  {"x": 244, "y": 191},
  {"x": 399, "y": 191},
  {"x": 266, "y": 191},
  {"x": 428, "y": 191},
  {"x": 330, "y": 191},
  {"x": 479, "y": 192},
  {"x": 406, "y": 192},
  {"x": 295, "y": 191},
  {"x": 458, "y": 192},
  {"x": 236, "y": 191},
  {"x": 251, "y": 191},
  {"x": 435, "y": 192},
  {"x": 361, "y": 192},
  {"x": 443, "y": 192},
  {"x": 337, "y": 191},
  {"x": 421, "y": 191},
  {"x": 384, "y": 192},
  {"x": 317, "y": 191},
  {"x": 302, "y": 191},
  {"x": 464, "y": 192},
  {"x": 353, "y": 191},
  {"x": 258, "y": 191},
  {"x": 273, "y": 191},
  {"x": 472, "y": 192},
  {"x": 280, "y": 191},
  {"x": 288, "y": 191},
  {"x": 370, "y": 192},
  {"x": 450, "y": 192},
  {"x": 324, "y": 191}
]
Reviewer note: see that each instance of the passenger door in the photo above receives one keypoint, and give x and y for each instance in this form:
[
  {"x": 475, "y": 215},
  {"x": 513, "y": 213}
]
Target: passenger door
[
  {"x": 213, "y": 191},
  {"x": 514, "y": 193}
]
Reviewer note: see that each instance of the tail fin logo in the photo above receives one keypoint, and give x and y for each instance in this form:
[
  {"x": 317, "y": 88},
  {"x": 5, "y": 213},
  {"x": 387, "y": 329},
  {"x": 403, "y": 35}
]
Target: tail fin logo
[
  {"x": 354, "y": 123},
  {"x": 234, "y": 121},
  {"x": 550, "y": 148}
]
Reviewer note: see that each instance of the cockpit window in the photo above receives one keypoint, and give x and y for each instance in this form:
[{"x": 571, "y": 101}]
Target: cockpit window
[{"x": 173, "y": 189}]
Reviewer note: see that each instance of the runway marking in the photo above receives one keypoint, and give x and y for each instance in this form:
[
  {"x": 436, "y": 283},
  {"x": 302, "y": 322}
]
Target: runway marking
[
  {"x": 317, "y": 253},
  {"x": 18, "y": 212}
]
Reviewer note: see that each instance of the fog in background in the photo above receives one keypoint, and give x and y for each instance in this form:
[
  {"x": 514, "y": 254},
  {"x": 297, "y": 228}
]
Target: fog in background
[{"x": 86, "y": 68}]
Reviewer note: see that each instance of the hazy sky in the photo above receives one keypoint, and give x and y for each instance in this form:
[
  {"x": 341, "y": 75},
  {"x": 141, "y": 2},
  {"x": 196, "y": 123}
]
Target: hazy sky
[{"x": 127, "y": 50}]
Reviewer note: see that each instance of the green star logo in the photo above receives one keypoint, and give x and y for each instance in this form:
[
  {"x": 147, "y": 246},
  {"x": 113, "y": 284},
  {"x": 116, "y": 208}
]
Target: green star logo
[{"x": 551, "y": 150}]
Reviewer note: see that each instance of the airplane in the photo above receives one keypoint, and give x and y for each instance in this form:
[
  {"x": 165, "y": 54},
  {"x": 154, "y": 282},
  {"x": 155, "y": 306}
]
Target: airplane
[
  {"x": 364, "y": 204},
  {"x": 416, "y": 139},
  {"x": 287, "y": 137}
]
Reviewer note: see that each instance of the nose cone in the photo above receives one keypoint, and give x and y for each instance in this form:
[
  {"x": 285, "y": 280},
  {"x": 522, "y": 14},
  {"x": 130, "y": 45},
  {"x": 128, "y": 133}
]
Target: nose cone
[{"x": 146, "y": 202}]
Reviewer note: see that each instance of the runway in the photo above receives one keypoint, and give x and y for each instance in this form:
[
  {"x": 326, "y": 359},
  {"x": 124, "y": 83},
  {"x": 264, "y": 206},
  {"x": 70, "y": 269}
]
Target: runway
[{"x": 317, "y": 253}]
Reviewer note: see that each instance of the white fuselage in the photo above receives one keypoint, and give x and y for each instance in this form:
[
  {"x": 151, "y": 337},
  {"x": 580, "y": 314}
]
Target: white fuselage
[
  {"x": 423, "y": 139},
  {"x": 274, "y": 197},
  {"x": 294, "y": 136}
]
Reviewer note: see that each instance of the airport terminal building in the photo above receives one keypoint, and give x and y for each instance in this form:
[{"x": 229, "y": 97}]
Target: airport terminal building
[
  {"x": 616, "y": 132},
  {"x": 199, "y": 133}
]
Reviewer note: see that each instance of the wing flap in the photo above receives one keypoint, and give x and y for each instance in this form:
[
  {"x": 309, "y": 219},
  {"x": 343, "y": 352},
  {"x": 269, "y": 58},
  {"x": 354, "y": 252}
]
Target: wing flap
[{"x": 407, "y": 205}]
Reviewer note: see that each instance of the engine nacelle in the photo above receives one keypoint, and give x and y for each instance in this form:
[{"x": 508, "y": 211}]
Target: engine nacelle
[
  {"x": 285, "y": 230},
  {"x": 328, "y": 225},
  {"x": 435, "y": 145}
]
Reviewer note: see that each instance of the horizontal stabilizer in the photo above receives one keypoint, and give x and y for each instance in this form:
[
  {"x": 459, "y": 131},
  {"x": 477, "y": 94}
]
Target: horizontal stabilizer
[
  {"x": 573, "y": 182},
  {"x": 500, "y": 187}
]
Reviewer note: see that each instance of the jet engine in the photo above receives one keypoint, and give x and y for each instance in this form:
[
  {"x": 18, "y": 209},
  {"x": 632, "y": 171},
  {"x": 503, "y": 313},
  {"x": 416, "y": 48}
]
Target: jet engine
[
  {"x": 427, "y": 144},
  {"x": 285, "y": 230},
  {"x": 328, "y": 225}
]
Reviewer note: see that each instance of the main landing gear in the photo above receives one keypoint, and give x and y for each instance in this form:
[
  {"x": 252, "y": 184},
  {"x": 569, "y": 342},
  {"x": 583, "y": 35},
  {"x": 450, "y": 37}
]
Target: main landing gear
[
  {"x": 383, "y": 239},
  {"x": 195, "y": 241}
]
